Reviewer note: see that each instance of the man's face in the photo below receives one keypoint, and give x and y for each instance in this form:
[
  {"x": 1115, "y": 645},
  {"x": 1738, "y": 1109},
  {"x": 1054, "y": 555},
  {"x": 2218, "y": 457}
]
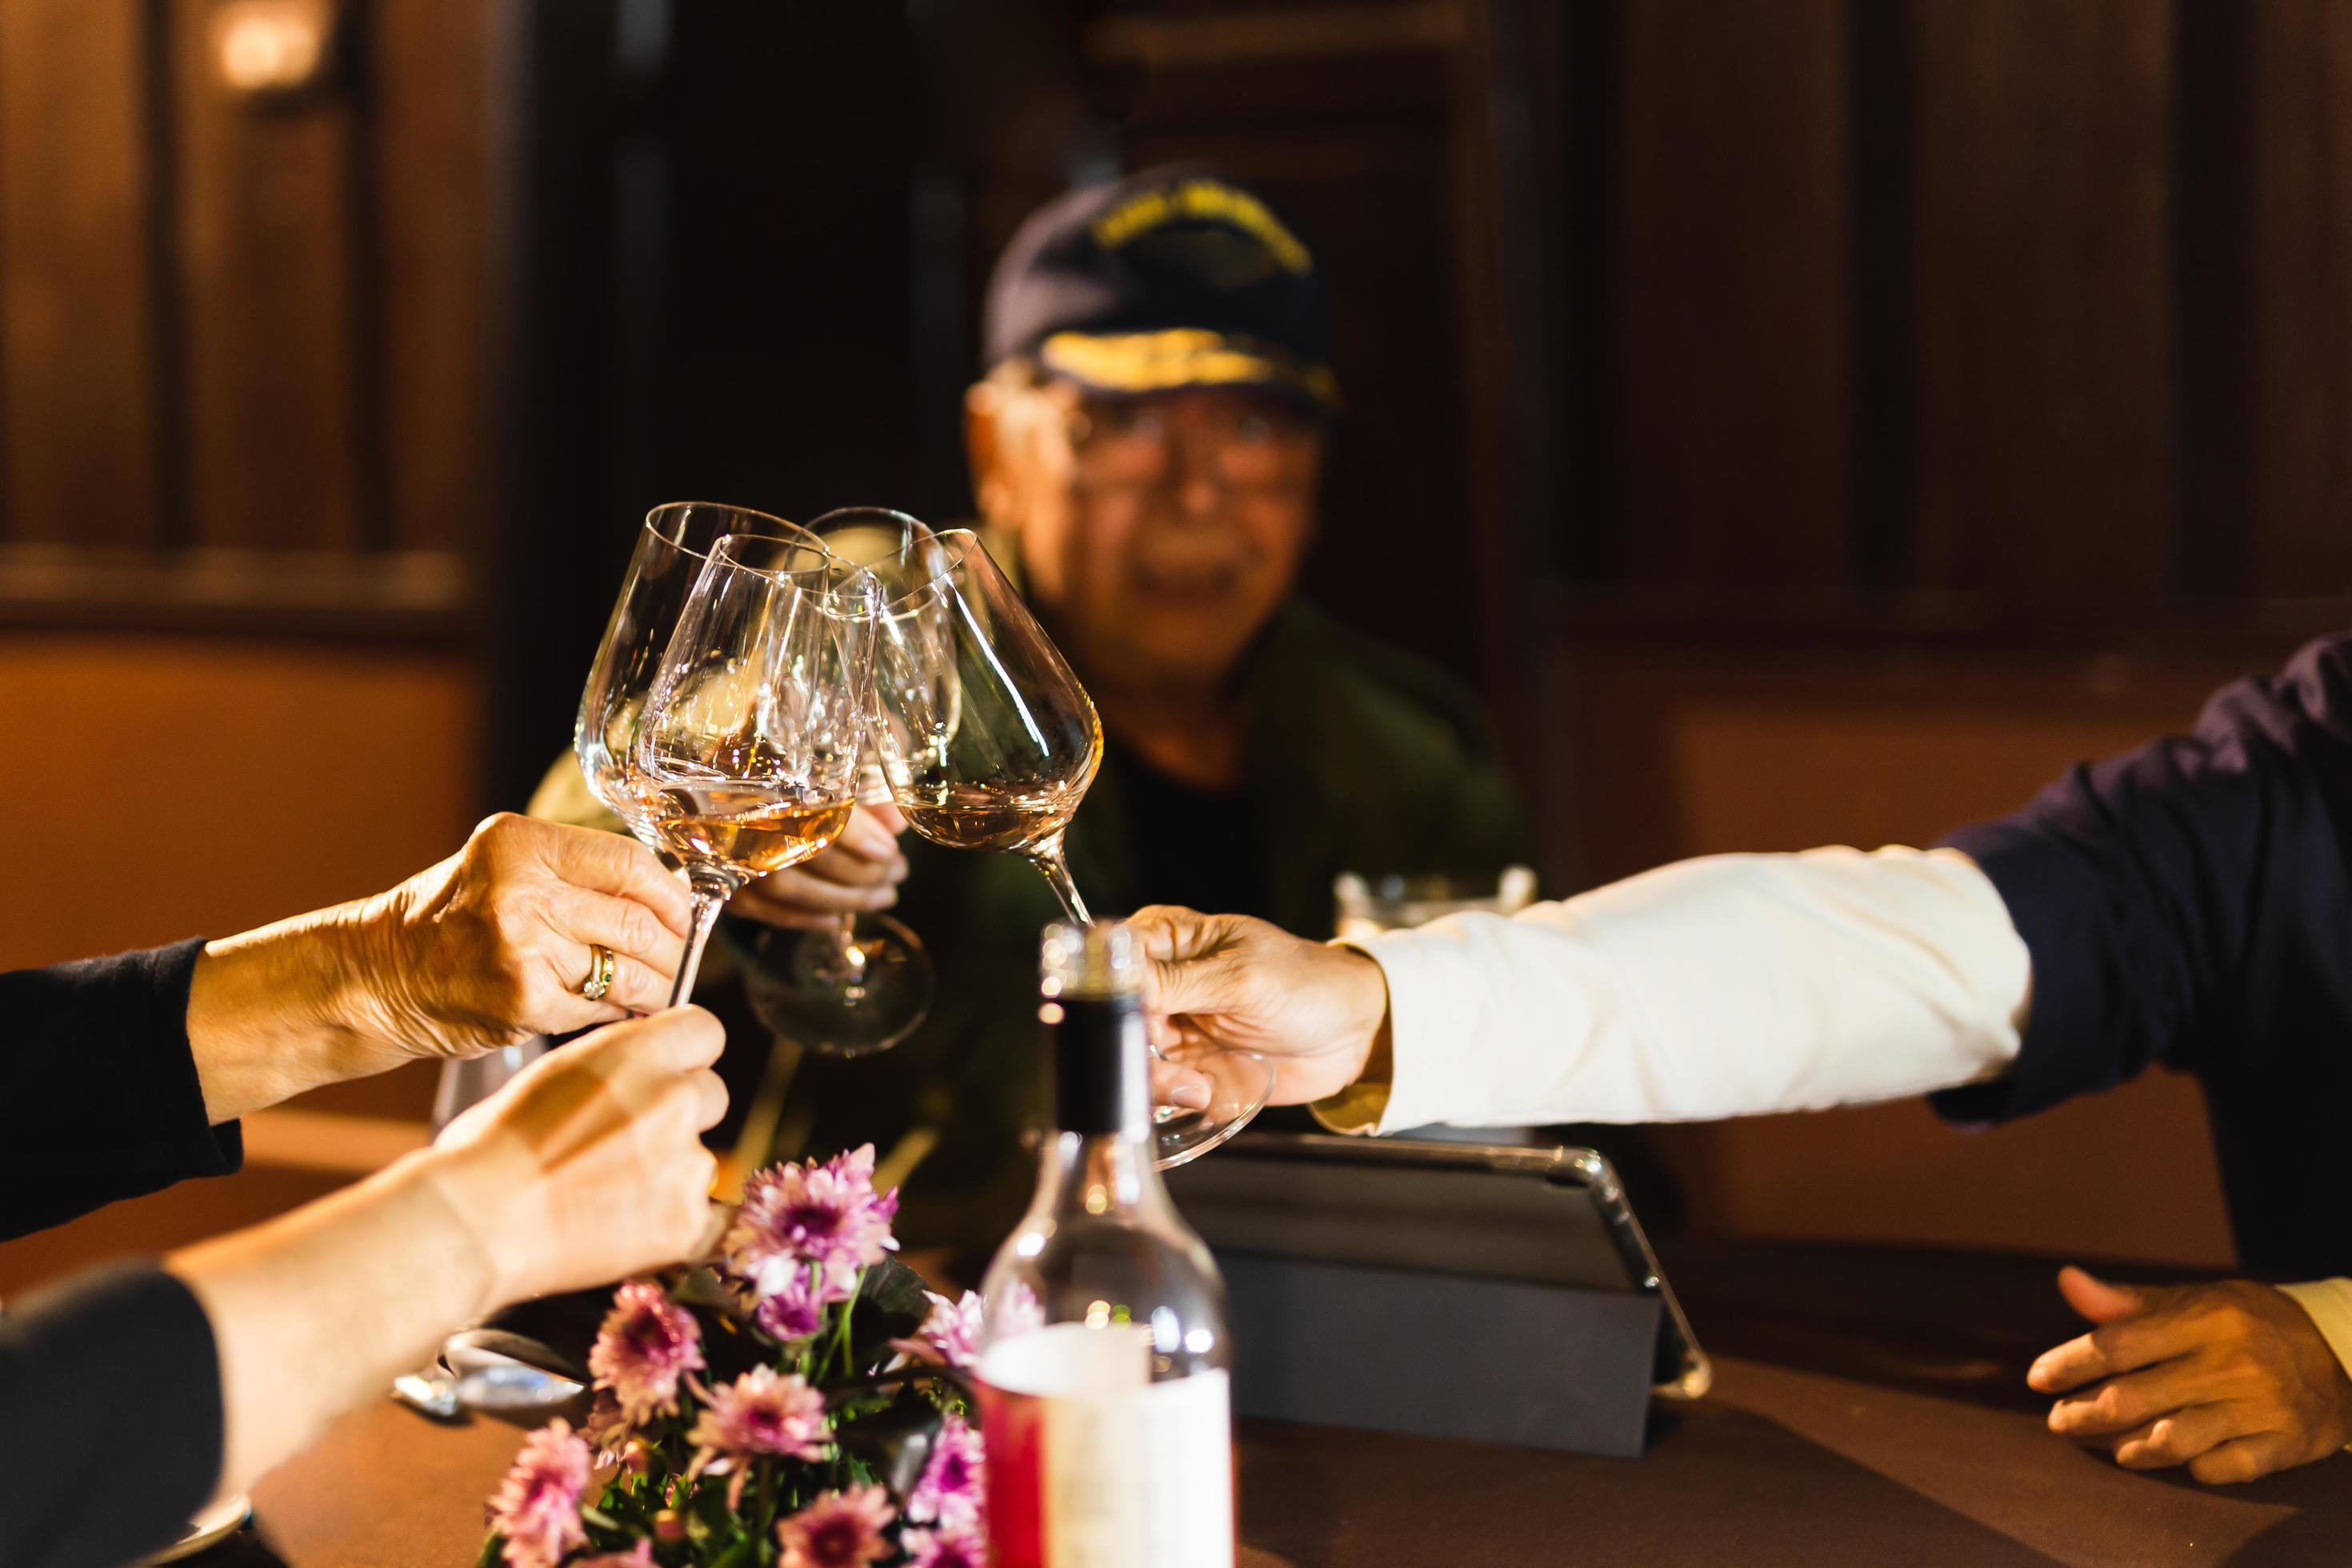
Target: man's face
[{"x": 1159, "y": 533}]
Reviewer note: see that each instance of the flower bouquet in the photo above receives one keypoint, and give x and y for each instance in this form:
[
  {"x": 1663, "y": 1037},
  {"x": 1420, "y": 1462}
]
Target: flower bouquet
[{"x": 799, "y": 1402}]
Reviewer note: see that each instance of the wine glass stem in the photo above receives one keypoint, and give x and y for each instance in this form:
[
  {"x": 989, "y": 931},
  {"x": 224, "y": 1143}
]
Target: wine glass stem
[
  {"x": 709, "y": 897},
  {"x": 1047, "y": 859},
  {"x": 839, "y": 964}
]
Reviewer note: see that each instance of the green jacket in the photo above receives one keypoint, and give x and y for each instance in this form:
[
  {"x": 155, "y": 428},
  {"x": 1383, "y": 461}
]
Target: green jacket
[{"x": 1356, "y": 759}]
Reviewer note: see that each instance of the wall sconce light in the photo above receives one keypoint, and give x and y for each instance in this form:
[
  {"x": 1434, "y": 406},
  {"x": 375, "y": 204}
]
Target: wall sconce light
[{"x": 272, "y": 51}]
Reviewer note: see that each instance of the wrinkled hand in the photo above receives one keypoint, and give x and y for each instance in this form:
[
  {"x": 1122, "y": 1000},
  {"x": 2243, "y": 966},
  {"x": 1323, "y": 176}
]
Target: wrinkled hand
[
  {"x": 2232, "y": 1379},
  {"x": 590, "y": 1164},
  {"x": 491, "y": 946},
  {"x": 1229, "y": 983},
  {"x": 858, "y": 875}
]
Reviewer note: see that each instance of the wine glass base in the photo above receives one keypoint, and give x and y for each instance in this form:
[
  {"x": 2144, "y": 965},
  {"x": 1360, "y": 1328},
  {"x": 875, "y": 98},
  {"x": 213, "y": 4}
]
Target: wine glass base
[
  {"x": 1239, "y": 1085},
  {"x": 800, "y": 986}
]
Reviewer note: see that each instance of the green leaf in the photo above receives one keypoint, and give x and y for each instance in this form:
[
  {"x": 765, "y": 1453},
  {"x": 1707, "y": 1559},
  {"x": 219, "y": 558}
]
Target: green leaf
[
  {"x": 488, "y": 1555},
  {"x": 890, "y": 1305}
]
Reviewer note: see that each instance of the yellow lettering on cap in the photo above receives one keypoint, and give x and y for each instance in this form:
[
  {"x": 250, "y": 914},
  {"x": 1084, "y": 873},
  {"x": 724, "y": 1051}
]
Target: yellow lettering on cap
[{"x": 1147, "y": 210}]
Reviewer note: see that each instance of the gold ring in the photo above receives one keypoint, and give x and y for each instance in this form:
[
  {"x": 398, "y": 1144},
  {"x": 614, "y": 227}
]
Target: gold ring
[{"x": 601, "y": 969}]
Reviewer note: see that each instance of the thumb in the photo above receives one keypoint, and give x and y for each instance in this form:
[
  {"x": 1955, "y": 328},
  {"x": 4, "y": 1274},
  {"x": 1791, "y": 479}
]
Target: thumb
[{"x": 2097, "y": 1300}]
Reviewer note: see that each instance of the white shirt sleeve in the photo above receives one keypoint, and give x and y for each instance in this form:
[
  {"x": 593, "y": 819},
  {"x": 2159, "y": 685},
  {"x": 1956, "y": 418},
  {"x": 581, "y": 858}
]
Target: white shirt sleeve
[{"x": 1716, "y": 988}]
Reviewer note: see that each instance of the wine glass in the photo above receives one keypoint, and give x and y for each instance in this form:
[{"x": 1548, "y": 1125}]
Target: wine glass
[
  {"x": 745, "y": 756},
  {"x": 989, "y": 741},
  {"x": 864, "y": 983},
  {"x": 673, "y": 548}
]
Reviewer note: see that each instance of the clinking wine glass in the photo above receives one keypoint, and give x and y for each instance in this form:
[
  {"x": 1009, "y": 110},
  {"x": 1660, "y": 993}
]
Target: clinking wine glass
[
  {"x": 745, "y": 756},
  {"x": 864, "y": 983},
  {"x": 672, "y": 547},
  {"x": 989, "y": 741}
]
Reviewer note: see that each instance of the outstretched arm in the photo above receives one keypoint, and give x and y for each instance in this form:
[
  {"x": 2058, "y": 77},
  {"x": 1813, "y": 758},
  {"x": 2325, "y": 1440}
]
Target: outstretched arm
[{"x": 1716, "y": 988}]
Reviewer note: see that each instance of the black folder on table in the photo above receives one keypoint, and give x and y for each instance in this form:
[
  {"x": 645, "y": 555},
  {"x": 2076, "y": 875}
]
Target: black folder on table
[{"x": 1500, "y": 1294}]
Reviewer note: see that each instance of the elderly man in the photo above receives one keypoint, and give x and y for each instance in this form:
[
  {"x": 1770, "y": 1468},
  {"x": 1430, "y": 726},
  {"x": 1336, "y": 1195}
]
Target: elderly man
[
  {"x": 1146, "y": 447},
  {"x": 2189, "y": 904}
]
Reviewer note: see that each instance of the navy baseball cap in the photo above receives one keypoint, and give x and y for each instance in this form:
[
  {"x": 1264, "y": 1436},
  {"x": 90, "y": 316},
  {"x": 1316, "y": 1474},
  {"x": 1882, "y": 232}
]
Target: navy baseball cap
[{"x": 1171, "y": 278}]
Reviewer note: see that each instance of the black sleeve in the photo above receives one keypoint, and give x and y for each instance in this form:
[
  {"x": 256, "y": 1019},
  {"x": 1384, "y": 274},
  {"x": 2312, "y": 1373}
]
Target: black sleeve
[
  {"x": 98, "y": 1095},
  {"x": 2186, "y": 902},
  {"x": 109, "y": 1418}
]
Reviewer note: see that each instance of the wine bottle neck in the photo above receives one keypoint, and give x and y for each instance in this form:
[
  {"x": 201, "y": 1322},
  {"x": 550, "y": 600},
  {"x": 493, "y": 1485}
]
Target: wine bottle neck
[
  {"x": 1101, "y": 1077},
  {"x": 1098, "y": 1174}
]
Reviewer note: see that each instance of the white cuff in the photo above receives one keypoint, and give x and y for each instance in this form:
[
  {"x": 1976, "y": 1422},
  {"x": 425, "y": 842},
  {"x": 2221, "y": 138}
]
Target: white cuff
[{"x": 1436, "y": 994}]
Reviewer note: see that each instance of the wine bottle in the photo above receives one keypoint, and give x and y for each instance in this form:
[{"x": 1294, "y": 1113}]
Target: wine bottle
[{"x": 1105, "y": 1365}]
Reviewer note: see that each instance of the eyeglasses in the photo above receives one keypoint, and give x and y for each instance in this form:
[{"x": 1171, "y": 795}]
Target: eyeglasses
[{"x": 1245, "y": 446}]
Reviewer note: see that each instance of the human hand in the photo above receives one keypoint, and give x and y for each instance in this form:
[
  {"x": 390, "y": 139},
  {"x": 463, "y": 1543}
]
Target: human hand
[
  {"x": 492, "y": 945},
  {"x": 590, "y": 1166},
  {"x": 2232, "y": 1379},
  {"x": 1218, "y": 982},
  {"x": 859, "y": 874},
  {"x": 485, "y": 949}
]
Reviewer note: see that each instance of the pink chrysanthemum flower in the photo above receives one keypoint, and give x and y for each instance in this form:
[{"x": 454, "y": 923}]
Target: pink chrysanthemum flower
[
  {"x": 604, "y": 1428},
  {"x": 944, "y": 1549},
  {"x": 952, "y": 1490},
  {"x": 641, "y": 1555},
  {"x": 536, "y": 1508},
  {"x": 950, "y": 1334},
  {"x": 840, "y": 1529},
  {"x": 795, "y": 1309},
  {"x": 646, "y": 1343},
  {"x": 762, "y": 1412},
  {"x": 795, "y": 1215}
]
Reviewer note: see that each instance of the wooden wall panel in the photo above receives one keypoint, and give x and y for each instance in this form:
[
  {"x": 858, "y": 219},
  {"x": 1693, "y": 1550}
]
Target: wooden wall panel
[
  {"x": 1731, "y": 291},
  {"x": 76, "y": 438},
  {"x": 432, "y": 101},
  {"x": 2043, "y": 330},
  {"x": 273, "y": 432},
  {"x": 297, "y": 776},
  {"x": 2299, "y": 248}
]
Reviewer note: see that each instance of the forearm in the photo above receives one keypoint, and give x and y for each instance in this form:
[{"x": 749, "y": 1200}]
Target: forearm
[
  {"x": 271, "y": 1012},
  {"x": 317, "y": 1311},
  {"x": 1716, "y": 987}
]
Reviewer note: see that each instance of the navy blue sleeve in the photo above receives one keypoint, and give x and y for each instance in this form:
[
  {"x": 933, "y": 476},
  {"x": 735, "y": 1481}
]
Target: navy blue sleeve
[
  {"x": 2184, "y": 903},
  {"x": 109, "y": 1418},
  {"x": 99, "y": 1094}
]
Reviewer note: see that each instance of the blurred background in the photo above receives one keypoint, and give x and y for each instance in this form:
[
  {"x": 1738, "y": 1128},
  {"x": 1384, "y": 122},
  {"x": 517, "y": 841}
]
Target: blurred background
[{"x": 1804, "y": 420}]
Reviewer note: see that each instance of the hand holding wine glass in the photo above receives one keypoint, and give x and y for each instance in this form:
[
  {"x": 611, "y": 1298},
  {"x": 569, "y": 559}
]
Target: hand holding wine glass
[
  {"x": 990, "y": 741},
  {"x": 745, "y": 757}
]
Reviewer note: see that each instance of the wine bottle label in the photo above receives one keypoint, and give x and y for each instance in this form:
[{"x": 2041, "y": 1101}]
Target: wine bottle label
[{"x": 1092, "y": 1465}]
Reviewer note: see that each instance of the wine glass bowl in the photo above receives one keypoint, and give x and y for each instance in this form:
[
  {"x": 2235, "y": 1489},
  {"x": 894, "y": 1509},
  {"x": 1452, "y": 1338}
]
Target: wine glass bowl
[
  {"x": 674, "y": 545},
  {"x": 987, "y": 736}
]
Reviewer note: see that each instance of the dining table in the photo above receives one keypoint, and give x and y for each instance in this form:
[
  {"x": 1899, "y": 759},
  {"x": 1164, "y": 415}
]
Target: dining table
[{"x": 1868, "y": 1406}]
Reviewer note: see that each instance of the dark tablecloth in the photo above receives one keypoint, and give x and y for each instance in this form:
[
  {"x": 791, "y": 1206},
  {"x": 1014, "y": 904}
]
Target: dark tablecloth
[{"x": 1869, "y": 1408}]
